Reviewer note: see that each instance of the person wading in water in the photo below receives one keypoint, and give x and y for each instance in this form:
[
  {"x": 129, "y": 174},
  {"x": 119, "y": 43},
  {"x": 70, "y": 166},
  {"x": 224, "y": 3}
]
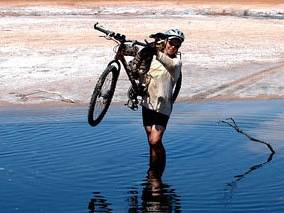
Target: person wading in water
[{"x": 162, "y": 76}]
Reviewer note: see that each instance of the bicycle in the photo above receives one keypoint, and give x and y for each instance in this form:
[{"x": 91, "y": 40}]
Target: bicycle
[{"x": 105, "y": 86}]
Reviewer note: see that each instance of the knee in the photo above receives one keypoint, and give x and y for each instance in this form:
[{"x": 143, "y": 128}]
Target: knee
[{"x": 154, "y": 141}]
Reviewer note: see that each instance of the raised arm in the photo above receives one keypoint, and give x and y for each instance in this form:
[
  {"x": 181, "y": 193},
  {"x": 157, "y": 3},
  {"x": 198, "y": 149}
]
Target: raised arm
[{"x": 171, "y": 64}]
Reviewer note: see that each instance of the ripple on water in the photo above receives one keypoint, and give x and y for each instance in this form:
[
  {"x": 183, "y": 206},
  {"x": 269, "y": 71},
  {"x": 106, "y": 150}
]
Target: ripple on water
[{"x": 48, "y": 155}]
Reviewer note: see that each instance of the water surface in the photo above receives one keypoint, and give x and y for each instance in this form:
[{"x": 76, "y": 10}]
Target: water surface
[{"x": 52, "y": 161}]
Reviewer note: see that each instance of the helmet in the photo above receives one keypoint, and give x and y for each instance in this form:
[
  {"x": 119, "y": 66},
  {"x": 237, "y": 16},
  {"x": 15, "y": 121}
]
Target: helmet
[{"x": 175, "y": 33}]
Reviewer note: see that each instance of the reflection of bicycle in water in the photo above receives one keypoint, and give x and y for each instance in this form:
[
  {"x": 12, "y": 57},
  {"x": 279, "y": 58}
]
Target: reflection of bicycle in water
[
  {"x": 156, "y": 196},
  {"x": 99, "y": 204}
]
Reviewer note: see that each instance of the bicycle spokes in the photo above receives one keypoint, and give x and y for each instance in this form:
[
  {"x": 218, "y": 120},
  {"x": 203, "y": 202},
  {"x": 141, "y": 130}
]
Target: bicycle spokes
[
  {"x": 104, "y": 95},
  {"x": 106, "y": 88}
]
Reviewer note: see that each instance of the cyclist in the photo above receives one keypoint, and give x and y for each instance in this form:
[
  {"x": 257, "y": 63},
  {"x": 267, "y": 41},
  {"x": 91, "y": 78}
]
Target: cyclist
[{"x": 164, "y": 72}]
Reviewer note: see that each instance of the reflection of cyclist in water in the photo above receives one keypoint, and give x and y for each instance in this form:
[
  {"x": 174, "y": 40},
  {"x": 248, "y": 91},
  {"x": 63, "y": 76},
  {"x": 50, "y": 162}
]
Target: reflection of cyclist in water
[{"x": 156, "y": 196}]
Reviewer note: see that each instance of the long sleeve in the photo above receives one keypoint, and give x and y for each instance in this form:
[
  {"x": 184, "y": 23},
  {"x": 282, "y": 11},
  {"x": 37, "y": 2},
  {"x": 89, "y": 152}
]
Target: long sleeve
[
  {"x": 171, "y": 64},
  {"x": 163, "y": 75}
]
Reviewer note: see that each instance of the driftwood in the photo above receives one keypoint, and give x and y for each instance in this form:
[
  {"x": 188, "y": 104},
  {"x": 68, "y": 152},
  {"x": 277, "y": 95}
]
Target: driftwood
[
  {"x": 231, "y": 122},
  {"x": 232, "y": 185}
]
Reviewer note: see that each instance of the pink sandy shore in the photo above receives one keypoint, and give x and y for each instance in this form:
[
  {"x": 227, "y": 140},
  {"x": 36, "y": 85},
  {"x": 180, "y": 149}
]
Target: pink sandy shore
[
  {"x": 142, "y": 2},
  {"x": 56, "y": 60}
]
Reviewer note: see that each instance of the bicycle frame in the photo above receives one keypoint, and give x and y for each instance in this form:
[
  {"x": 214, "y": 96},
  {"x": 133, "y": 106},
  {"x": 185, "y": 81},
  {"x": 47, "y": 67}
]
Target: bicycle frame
[{"x": 119, "y": 57}]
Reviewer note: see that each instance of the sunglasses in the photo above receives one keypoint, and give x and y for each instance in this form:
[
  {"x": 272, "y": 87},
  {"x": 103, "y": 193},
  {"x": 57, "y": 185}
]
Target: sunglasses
[{"x": 175, "y": 43}]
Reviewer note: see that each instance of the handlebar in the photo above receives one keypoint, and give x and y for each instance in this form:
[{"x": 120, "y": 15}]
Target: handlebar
[
  {"x": 117, "y": 36},
  {"x": 107, "y": 32}
]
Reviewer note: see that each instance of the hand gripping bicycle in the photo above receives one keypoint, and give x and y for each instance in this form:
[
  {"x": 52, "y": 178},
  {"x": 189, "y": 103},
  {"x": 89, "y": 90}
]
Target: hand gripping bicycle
[{"x": 105, "y": 87}]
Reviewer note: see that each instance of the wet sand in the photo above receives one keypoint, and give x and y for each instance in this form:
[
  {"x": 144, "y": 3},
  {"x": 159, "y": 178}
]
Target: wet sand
[{"x": 51, "y": 55}]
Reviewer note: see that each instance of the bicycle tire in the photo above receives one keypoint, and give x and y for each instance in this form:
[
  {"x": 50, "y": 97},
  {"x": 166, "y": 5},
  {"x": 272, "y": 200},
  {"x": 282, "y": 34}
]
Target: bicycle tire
[{"x": 102, "y": 95}]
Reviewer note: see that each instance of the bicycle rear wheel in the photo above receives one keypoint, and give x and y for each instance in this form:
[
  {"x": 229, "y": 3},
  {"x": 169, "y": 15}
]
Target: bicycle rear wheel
[{"x": 102, "y": 95}]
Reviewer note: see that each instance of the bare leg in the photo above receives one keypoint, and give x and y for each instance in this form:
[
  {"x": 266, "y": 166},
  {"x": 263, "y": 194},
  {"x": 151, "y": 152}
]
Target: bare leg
[
  {"x": 148, "y": 130},
  {"x": 157, "y": 150}
]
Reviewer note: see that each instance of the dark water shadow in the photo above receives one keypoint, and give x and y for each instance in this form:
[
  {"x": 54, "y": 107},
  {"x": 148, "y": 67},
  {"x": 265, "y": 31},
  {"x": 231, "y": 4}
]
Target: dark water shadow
[
  {"x": 157, "y": 196},
  {"x": 231, "y": 187},
  {"x": 99, "y": 204}
]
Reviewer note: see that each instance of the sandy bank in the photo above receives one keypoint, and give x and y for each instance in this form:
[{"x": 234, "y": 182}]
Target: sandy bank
[
  {"x": 142, "y": 2},
  {"x": 58, "y": 58}
]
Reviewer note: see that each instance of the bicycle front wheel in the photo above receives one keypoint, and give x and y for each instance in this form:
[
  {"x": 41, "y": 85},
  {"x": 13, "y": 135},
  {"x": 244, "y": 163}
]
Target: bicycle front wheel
[{"x": 102, "y": 95}]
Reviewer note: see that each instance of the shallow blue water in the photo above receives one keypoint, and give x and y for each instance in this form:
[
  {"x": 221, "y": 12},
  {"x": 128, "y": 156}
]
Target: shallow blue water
[{"x": 52, "y": 161}]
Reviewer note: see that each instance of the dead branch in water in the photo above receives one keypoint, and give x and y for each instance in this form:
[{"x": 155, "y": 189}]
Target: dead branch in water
[
  {"x": 231, "y": 186},
  {"x": 255, "y": 167},
  {"x": 236, "y": 127}
]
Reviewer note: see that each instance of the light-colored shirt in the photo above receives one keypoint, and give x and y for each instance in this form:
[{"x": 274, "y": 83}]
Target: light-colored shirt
[{"x": 162, "y": 76}]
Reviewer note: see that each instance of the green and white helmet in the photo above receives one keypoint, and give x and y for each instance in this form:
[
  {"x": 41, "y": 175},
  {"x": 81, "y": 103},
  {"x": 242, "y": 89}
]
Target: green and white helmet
[{"x": 174, "y": 33}]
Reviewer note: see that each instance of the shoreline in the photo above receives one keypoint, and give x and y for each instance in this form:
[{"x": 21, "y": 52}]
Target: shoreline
[
  {"x": 113, "y": 2},
  {"x": 50, "y": 105}
]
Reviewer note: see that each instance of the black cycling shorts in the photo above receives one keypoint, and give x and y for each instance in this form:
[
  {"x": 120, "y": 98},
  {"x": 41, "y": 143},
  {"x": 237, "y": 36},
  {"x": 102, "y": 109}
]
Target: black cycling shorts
[{"x": 151, "y": 117}]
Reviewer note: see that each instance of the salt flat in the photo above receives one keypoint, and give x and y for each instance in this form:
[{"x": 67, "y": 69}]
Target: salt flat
[{"x": 50, "y": 52}]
